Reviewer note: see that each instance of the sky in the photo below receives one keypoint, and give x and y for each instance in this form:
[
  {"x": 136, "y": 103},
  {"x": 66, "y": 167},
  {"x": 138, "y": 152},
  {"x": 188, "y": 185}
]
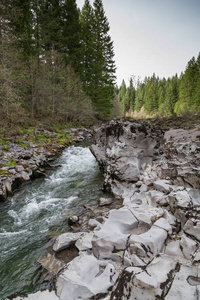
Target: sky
[{"x": 152, "y": 36}]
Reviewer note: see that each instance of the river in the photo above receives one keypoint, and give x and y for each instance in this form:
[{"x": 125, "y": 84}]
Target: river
[{"x": 40, "y": 210}]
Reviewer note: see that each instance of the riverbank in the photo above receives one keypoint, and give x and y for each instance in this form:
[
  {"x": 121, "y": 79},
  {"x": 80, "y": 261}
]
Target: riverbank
[{"x": 24, "y": 156}]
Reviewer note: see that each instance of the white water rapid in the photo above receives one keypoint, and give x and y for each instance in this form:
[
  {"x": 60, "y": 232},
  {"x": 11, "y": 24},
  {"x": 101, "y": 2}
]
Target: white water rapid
[{"x": 40, "y": 210}]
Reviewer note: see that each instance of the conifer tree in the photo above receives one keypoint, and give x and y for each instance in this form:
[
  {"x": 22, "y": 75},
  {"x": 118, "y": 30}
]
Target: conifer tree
[
  {"x": 129, "y": 98},
  {"x": 161, "y": 91},
  {"x": 87, "y": 40},
  {"x": 71, "y": 35},
  {"x": 197, "y": 88},
  {"x": 49, "y": 14},
  {"x": 169, "y": 94},
  {"x": 151, "y": 95},
  {"x": 139, "y": 96},
  {"x": 122, "y": 91},
  {"x": 20, "y": 20},
  {"x": 103, "y": 78},
  {"x": 187, "y": 88},
  {"x": 132, "y": 94}
]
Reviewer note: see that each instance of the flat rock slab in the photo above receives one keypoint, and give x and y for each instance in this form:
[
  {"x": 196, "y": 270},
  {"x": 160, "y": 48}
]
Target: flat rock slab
[
  {"x": 114, "y": 233},
  {"x": 44, "y": 295},
  {"x": 65, "y": 240},
  {"x": 152, "y": 283},
  {"x": 193, "y": 229},
  {"x": 181, "y": 289},
  {"x": 85, "y": 241},
  {"x": 163, "y": 186},
  {"x": 182, "y": 134},
  {"x": 85, "y": 277},
  {"x": 50, "y": 263},
  {"x": 148, "y": 244}
]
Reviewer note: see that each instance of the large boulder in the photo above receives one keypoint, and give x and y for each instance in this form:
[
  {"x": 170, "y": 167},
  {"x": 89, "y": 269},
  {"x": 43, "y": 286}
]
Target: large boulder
[
  {"x": 122, "y": 148},
  {"x": 86, "y": 277},
  {"x": 150, "y": 283}
]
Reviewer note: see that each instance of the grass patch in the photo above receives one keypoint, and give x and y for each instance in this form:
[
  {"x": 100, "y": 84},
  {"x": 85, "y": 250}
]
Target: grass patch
[{"x": 5, "y": 148}]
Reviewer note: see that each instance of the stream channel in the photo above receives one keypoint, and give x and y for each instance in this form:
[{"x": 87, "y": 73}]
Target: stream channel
[{"x": 40, "y": 210}]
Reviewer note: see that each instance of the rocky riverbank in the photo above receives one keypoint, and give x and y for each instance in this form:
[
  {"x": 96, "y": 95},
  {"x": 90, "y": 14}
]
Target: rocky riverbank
[
  {"x": 150, "y": 247},
  {"x": 23, "y": 158}
]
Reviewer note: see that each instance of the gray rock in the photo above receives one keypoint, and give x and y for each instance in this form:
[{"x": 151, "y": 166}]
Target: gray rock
[
  {"x": 146, "y": 216},
  {"x": 164, "y": 224},
  {"x": 157, "y": 198},
  {"x": 43, "y": 295},
  {"x": 181, "y": 289},
  {"x": 188, "y": 247},
  {"x": 143, "y": 188},
  {"x": 85, "y": 277},
  {"x": 8, "y": 187},
  {"x": 85, "y": 241},
  {"x": 163, "y": 186},
  {"x": 193, "y": 228},
  {"x": 197, "y": 257},
  {"x": 73, "y": 220},
  {"x": 114, "y": 233},
  {"x": 148, "y": 244},
  {"x": 121, "y": 149},
  {"x": 51, "y": 263},
  {"x": 179, "y": 199},
  {"x": 65, "y": 240},
  {"x": 19, "y": 168},
  {"x": 151, "y": 283},
  {"x": 25, "y": 176},
  {"x": 195, "y": 196},
  {"x": 173, "y": 249},
  {"x": 94, "y": 224},
  {"x": 105, "y": 201},
  {"x": 139, "y": 183}
]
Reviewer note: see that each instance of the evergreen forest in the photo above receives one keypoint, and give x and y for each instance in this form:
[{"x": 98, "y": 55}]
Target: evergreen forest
[
  {"x": 56, "y": 62},
  {"x": 57, "y": 67},
  {"x": 178, "y": 95}
]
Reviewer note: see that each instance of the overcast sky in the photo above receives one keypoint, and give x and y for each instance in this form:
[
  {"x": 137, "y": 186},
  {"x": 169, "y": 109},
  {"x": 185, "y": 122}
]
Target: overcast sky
[{"x": 152, "y": 36}]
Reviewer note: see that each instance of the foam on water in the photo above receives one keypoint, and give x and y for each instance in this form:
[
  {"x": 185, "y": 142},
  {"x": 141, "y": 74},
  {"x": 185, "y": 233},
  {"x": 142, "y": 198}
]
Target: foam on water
[
  {"x": 12, "y": 233},
  {"x": 15, "y": 216},
  {"x": 30, "y": 209}
]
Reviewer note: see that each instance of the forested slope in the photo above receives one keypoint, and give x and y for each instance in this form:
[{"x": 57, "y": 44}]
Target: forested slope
[
  {"x": 167, "y": 97},
  {"x": 56, "y": 62}
]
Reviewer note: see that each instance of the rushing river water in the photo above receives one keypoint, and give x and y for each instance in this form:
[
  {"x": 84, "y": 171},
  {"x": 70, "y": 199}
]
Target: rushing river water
[{"x": 39, "y": 210}]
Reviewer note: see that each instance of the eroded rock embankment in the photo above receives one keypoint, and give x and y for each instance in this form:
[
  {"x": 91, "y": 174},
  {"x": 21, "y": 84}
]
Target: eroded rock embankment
[{"x": 150, "y": 247}]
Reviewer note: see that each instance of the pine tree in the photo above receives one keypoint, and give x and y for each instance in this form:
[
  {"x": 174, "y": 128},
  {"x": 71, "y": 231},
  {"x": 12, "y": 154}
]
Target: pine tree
[
  {"x": 103, "y": 78},
  {"x": 171, "y": 96},
  {"x": 87, "y": 40},
  {"x": 49, "y": 19},
  {"x": 151, "y": 95},
  {"x": 20, "y": 20},
  {"x": 187, "y": 89},
  {"x": 122, "y": 91},
  {"x": 129, "y": 98},
  {"x": 132, "y": 94},
  {"x": 71, "y": 35},
  {"x": 161, "y": 91},
  {"x": 197, "y": 88},
  {"x": 139, "y": 96}
]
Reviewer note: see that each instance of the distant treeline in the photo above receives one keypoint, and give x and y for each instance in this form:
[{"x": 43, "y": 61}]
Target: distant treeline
[
  {"x": 166, "y": 97},
  {"x": 56, "y": 62}
]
